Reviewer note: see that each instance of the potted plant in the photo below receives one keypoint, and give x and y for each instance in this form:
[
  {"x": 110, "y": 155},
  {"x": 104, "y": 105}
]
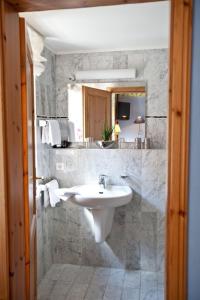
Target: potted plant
[
  {"x": 107, "y": 133},
  {"x": 106, "y": 137}
]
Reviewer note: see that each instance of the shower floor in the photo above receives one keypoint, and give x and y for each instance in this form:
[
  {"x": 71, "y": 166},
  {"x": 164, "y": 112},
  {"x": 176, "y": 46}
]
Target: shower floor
[{"x": 72, "y": 282}]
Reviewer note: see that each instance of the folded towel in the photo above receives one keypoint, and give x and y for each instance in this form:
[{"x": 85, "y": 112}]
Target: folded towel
[
  {"x": 52, "y": 186},
  {"x": 65, "y": 194},
  {"x": 54, "y": 133}
]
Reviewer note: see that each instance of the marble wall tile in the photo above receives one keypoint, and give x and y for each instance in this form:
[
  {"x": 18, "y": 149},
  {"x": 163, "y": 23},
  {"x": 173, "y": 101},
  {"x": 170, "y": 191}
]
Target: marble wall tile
[
  {"x": 148, "y": 250},
  {"x": 156, "y": 130},
  {"x": 161, "y": 238},
  {"x": 137, "y": 238},
  {"x": 97, "y": 61},
  {"x": 149, "y": 165},
  {"x": 153, "y": 187},
  {"x": 148, "y": 241},
  {"x": 120, "y": 61},
  {"x": 133, "y": 254},
  {"x": 45, "y": 86},
  {"x": 66, "y": 250},
  {"x": 136, "y": 59},
  {"x": 156, "y": 72},
  {"x": 44, "y": 241}
]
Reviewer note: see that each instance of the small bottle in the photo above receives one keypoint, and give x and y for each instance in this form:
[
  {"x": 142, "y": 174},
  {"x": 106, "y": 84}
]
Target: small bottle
[
  {"x": 147, "y": 143},
  {"x": 138, "y": 142}
]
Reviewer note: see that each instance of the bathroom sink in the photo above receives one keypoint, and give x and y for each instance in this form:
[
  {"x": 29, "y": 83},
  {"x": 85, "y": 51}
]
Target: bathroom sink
[
  {"x": 99, "y": 204},
  {"x": 94, "y": 196}
]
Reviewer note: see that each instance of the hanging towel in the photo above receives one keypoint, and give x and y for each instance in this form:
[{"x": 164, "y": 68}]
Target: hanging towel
[
  {"x": 71, "y": 130},
  {"x": 52, "y": 186},
  {"x": 46, "y": 198},
  {"x": 42, "y": 191},
  {"x": 64, "y": 129},
  {"x": 45, "y": 134},
  {"x": 54, "y": 133}
]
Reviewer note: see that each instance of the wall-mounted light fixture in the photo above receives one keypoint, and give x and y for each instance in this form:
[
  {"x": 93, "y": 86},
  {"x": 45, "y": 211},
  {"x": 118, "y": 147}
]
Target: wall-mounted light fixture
[{"x": 104, "y": 74}]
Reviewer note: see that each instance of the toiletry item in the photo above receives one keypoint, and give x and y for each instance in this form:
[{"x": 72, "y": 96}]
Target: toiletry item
[
  {"x": 121, "y": 142},
  {"x": 142, "y": 144},
  {"x": 138, "y": 143},
  {"x": 89, "y": 141},
  {"x": 147, "y": 144}
]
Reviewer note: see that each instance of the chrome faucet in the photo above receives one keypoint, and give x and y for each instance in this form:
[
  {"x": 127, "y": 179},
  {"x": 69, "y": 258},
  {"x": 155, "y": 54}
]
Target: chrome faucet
[{"x": 103, "y": 180}]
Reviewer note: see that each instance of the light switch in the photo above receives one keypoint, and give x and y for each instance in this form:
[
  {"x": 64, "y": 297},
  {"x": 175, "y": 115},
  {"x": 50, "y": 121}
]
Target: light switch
[{"x": 60, "y": 166}]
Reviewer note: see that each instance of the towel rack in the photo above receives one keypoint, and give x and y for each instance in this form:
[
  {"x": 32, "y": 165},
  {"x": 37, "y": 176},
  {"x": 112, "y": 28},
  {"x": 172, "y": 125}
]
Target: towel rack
[
  {"x": 50, "y": 117},
  {"x": 44, "y": 118}
]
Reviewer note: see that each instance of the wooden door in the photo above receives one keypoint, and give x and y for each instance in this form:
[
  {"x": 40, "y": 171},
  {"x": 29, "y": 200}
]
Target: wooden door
[
  {"x": 27, "y": 92},
  {"x": 97, "y": 111}
]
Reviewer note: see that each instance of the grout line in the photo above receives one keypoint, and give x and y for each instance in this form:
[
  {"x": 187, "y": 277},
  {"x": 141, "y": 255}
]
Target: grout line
[
  {"x": 106, "y": 284},
  {"x": 89, "y": 283},
  {"x": 72, "y": 284}
]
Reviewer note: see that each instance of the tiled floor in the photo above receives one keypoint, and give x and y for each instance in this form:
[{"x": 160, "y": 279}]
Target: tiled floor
[{"x": 70, "y": 282}]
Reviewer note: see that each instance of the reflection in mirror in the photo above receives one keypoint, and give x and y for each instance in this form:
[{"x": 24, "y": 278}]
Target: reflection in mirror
[
  {"x": 130, "y": 115},
  {"x": 100, "y": 111}
]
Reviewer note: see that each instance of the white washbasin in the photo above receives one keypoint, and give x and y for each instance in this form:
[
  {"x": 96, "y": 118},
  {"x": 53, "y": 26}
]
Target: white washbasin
[
  {"x": 94, "y": 196},
  {"x": 99, "y": 204}
]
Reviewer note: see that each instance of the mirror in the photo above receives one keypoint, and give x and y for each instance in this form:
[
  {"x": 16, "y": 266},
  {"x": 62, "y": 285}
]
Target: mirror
[{"x": 106, "y": 111}]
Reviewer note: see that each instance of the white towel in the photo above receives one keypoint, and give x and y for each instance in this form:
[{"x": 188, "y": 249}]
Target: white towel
[
  {"x": 43, "y": 188},
  {"x": 45, "y": 134},
  {"x": 46, "y": 199},
  {"x": 67, "y": 130},
  {"x": 54, "y": 133},
  {"x": 64, "y": 129},
  {"x": 52, "y": 186},
  {"x": 66, "y": 193},
  {"x": 71, "y": 129}
]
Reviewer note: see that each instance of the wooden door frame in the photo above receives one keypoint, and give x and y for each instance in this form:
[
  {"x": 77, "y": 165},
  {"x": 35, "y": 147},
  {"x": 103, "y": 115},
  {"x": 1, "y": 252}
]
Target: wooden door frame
[
  {"x": 178, "y": 139},
  {"x": 4, "y": 257},
  {"x": 126, "y": 89}
]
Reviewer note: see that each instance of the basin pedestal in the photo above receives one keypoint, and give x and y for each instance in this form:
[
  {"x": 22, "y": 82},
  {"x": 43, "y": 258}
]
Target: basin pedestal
[{"x": 102, "y": 220}]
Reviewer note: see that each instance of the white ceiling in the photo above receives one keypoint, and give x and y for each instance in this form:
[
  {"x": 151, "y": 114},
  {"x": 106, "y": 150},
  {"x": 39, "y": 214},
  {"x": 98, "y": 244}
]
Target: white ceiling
[{"x": 108, "y": 28}]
